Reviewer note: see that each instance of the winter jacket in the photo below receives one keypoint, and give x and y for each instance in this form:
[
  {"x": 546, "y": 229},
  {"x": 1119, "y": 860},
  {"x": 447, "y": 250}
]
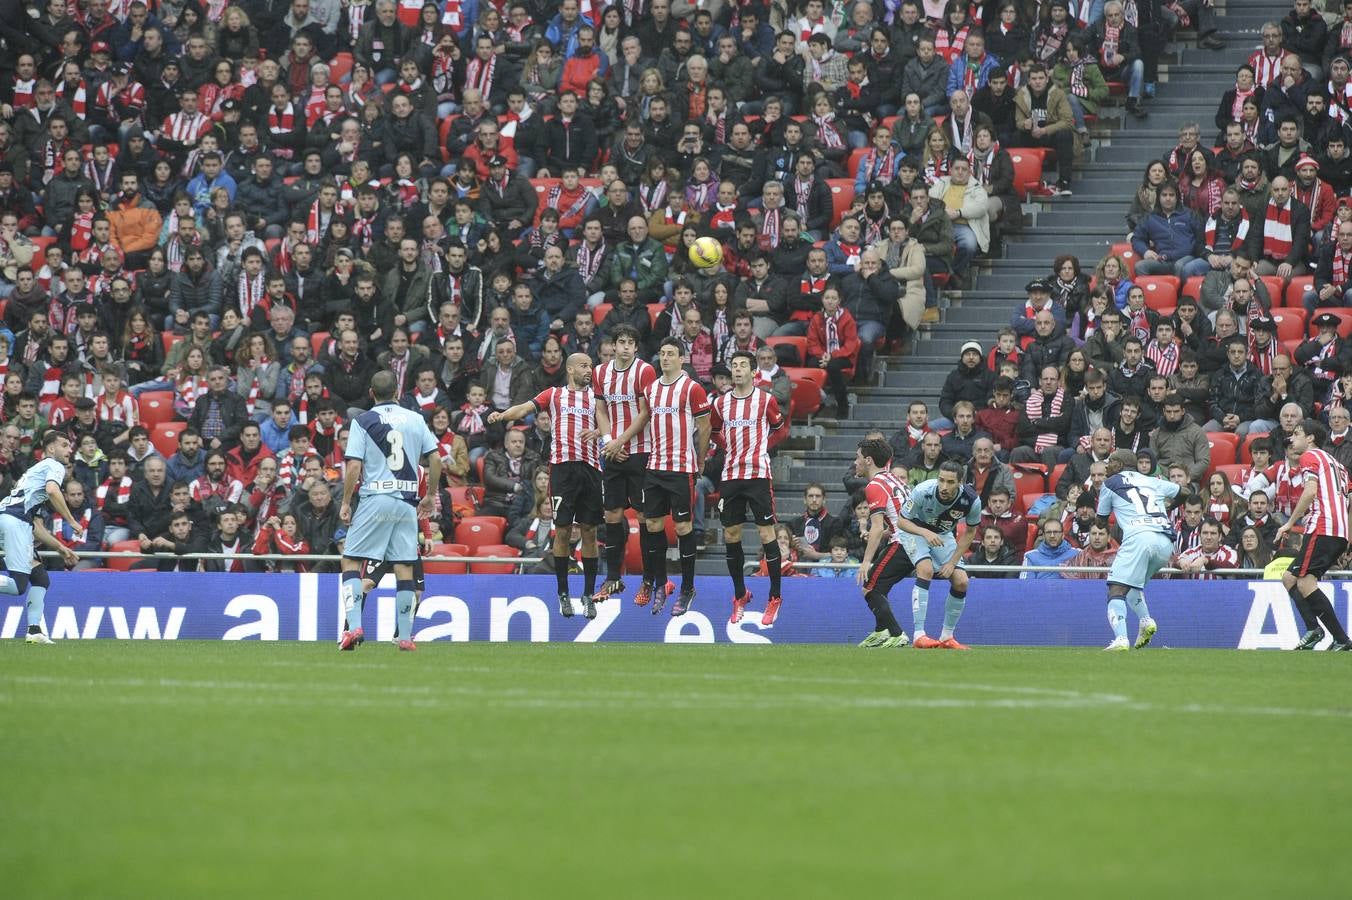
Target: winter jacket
[
  {"x": 135, "y": 224},
  {"x": 972, "y": 384},
  {"x": 1172, "y": 236},
  {"x": 234, "y": 416},
  {"x": 196, "y": 294},
  {"x": 646, "y": 263},
  {"x": 263, "y": 200},
  {"x": 1185, "y": 443},
  {"x": 516, "y": 200},
  {"x": 929, "y": 81},
  {"x": 1042, "y": 555},
  {"x": 1235, "y": 393},
  {"x": 471, "y": 296},
  {"x": 415, "y": 306},
  {"x": 351, "y": 386},
  {"x": 1094, "y": 83},
  {"x": 849, "y": 338},
  {"x": 561, "y": 295},
  {"x": 1043, "y": 352}
]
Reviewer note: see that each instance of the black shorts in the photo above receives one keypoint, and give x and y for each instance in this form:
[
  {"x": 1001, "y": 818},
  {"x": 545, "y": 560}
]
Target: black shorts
[
  {"x": 892, "y": 567},
  {"x": 576, "y": 490},
  {"x": 668, "y": 493},
  {"x": 624, "y": 482},
  {"x": 1318, "y": 553},
  {"x": 740, "y": 494}
]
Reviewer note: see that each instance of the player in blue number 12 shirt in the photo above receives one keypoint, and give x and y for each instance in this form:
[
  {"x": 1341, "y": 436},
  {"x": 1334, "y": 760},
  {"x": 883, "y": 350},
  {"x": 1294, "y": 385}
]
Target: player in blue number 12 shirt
[
  {"x": 1140, "y": 504},
  {"x": 384, "y": 447}
]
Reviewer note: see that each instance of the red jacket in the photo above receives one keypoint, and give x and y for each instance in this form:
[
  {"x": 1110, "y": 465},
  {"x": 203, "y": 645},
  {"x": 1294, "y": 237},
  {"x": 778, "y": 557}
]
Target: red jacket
[
  {"x": 474, "y": 153},
  {"x": 849, "y": 337},
  {"x": 579, "y": 70},
  {"x": 238, "y": 469},
  {"x": 1001, "y": 424}
]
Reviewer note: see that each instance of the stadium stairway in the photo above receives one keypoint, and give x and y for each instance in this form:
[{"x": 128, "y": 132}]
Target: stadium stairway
[{"x": 1084, "y": 225}]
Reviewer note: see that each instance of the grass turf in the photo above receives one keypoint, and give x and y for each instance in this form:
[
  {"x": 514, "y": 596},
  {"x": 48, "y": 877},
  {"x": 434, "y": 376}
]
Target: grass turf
[{"x": 490, "y": 770}]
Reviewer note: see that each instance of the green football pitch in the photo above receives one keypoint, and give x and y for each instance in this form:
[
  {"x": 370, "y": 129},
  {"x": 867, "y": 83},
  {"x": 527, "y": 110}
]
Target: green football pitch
[{"x": 194, "y": 770}]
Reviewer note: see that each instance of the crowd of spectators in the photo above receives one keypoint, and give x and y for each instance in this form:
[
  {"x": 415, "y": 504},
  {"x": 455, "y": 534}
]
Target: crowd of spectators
[{"x": 253, "y": 207}]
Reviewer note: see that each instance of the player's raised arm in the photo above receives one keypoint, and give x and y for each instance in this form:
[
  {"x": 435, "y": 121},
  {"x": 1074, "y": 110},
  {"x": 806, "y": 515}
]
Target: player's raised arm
[
  {"x": 514, "y": 413},
  {"x": 57, "y": 499}
]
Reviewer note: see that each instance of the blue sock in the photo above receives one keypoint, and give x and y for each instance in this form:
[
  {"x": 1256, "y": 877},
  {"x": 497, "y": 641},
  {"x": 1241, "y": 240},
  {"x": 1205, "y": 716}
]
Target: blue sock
[
  {"x": 919, "y": 605},
  {"x": 36, "y": 597},
  {"x": 353, "y": 599},
  {"x": 403, "y": 598},
  {"x": 1136, "y": 600},
  {"x": 953, "y": 607},
  {"x": 1117, "y": 616}
]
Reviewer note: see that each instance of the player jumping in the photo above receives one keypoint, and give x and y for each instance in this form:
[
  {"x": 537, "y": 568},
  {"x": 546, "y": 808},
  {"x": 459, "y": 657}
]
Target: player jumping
[
  {"x": 679, "y": 428},
  {"x": 37, "y": 488},
  {"x": 1323, "y": 506},
  {"x": 927, "y": 523},
  {"x": 741, "y": 421},
  {"x": 886, "y": 495},
  {"x": 1138, "y": 502},
  {"x": 574, "y": 471},
  {"x": 384, "y": 447},
  {"x": 620, "y": 387}
]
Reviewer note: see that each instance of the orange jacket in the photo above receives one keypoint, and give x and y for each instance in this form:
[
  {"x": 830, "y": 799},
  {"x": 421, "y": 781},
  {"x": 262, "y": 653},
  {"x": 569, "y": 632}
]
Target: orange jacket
[
  {"x": 135, "y": 224},
  {"x": 849, "y": 337}
]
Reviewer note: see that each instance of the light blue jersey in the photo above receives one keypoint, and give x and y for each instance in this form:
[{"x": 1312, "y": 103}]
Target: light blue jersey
[
  {"x": 29, "y": 495},
  {"x": 390, "y": 441},
  {"x": 1138, "y": 502},
  {"x": 927, "y": 509}
]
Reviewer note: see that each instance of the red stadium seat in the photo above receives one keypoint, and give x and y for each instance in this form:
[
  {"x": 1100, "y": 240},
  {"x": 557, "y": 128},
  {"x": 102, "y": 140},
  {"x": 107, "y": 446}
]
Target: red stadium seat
[
  {"x": 1245, "y": 454},
  {"x": 1274, "y": 288},
  {"x": 1342, "y": 312},
  {"x": 856, "y": 159},
  {"x": 1028, "y": 482},
  {"x": 1224, "y": 445},
  {"x": 842, "y": 195},
  {"x": 1026, "y": 501},
  {"x": 165, "y": 437},
  {"x": 40, "y": 245},
  {"x": 1055, "y": 478},
  {"x": 798, "y": 342},
  {"x": 542, "y": 185},
  {"x": 123, "y": 564},
  {"x": 479, "y": 568},
  {"x": 1232, "y": 471},
  {"x": 1027, "y": 171},
  {"x": 317, "y": 341},
  {"x": 1295, "y": 291},
  {"x": 476, "y": 531},
  {"x": 1127, "y": 254},
  {"x": 443, "y": 132},
  {"x": 1290, "y": 322},
  {"x": 340, "y": 67},
  {"x": 1031, "y": 539},
  {"x": 655, "y": 310},
  {"x": 479, "y": 470},
  {"x": 1193, "y": 287},
  {"x": 600, "y": 312},
  {"x": 1161, "y": 291},
  {"x": 168, "y": 338},
  {"x": 807, "y": 389},
  {"x": 156, "y": 407},
  {"x": 447, "y": 568}
]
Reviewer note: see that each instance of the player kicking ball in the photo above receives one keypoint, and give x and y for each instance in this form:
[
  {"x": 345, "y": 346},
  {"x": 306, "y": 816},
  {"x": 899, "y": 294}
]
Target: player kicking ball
[
  {"x": 384, "y": 447},
  {"x": 37, "y": 488},
  {"x": 1323, "y": 507},
  {"x": 1140, "y": 505},
  {"x": 741, "y": 422},
  {"x": 882, "y": 569},
  {"x": 574, "y": 471},
  {"x": 928, "y": 521}
]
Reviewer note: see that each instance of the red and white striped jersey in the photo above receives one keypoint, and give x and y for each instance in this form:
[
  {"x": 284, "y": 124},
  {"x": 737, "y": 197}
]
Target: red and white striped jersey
[
  {"x": 1222, "y": 558},
  {"x": 887, "y": 493},
  {"x": 182, "y": 127},
  {"x": 570, "y": 414},
  {"x": 620, "y": 389},
  {"x": 1328, "y": 513},
  {"x": 671, "y": 426},
  {"x": 743, "y": 425}
]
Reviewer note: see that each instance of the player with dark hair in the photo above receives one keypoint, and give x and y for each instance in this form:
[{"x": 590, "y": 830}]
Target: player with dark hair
[
  {"x": 742, "y": 421},
  {"x": 384, "y": 446},
  {"x": 881, "y": 569},
  {"x": 577, "y": 422},
  {"x": 1323, "y": 508},
  {"x": 928, "y": 521},
  {"x": 620, "y": 386},
  {"x": 36, "y": 489},
  {"x": 678, "y": 426}
]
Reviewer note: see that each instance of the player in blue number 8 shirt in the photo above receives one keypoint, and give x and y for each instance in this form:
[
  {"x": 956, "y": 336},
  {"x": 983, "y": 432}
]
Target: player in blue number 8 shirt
[
  {"x": 384, "y": 447},
  {"x": 928, "y": 522},
  {"x": 1140, "y": 504}
]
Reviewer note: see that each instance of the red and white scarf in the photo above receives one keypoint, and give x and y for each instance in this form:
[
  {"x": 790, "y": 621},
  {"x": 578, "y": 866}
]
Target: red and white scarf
[
  {"x": 190, "y": 388},
  {"x": 771, "y": 220},
  {"x": 472, "y": 422},
  {"x": 1241, "y": 233},
  {"x": 251, "y": 293},
  {"x": 315, "y": 226},
  {"x": 1311, "y": 196},
  {"x": 1033, "y": 409},
  {"x": 78, "y": 100},
  {"x": 833, "y": 332},
  {"x": 282, "y": 122},
  {"x": 827, "y": 133},
  {"x": 23, "y": 94},
  {"x": 1342, "y": 268},
  {"x": 62, "y": 531},
  {"x": 479, "y": 74},
  {"x": 653, "y": 196},
  {"x": 1262, "y": 357},
  {"x": 122, "y": 494},
  {"x": 1112, "y": 35},
  {"x": 1277, "y": 231},
  {"x": 589, "y": 259}
]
